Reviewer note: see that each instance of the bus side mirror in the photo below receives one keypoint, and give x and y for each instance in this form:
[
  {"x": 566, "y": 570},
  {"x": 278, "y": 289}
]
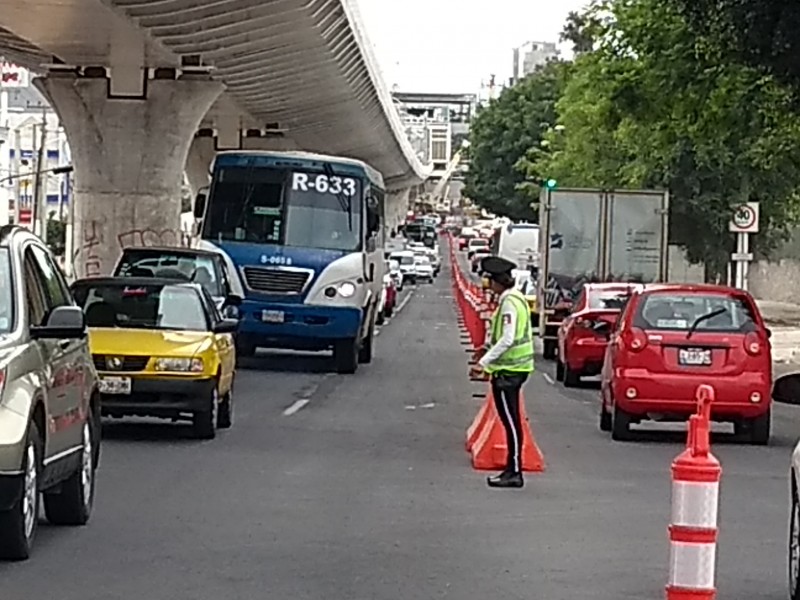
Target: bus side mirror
[{"x": 199, "y": 205}]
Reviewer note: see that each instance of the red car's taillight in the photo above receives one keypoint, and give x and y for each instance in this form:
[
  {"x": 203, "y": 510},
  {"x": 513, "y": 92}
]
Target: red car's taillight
[
  {"x": 635, "y": 339},
  {"x": 753, "y": 344}
]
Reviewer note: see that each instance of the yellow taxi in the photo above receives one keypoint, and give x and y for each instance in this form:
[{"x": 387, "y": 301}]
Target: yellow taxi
[{"x": 161, "y": 349}]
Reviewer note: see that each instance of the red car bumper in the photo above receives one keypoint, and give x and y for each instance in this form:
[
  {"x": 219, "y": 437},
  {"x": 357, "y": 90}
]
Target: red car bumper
[
  {"x": 640, "y": 392},
  {"x": 585, "y": 355}
]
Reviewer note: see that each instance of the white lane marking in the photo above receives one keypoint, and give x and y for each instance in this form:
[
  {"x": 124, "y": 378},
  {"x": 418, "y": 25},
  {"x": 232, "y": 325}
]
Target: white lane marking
[
  {"x": 405, "y": 301},
  {"x": 548, "y": 379},
  {"x": 296, "y": 407}
]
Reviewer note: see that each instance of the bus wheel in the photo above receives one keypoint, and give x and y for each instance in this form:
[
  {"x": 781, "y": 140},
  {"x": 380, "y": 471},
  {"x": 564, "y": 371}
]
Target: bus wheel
[
  {"x": 365, "y": 353},
  {"x": 345, "y": 355}
]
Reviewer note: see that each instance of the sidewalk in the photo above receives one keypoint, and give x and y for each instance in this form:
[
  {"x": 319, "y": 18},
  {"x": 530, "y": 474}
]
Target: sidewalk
[{"x": 783, "y": 319}]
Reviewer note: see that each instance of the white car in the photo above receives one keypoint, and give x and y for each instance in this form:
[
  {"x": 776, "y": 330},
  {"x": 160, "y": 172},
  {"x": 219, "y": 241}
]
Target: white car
[
  {"x": 436, "y": 260},
  {"x": 424, "y": 268},
  {"x": 405, "y": 260}
]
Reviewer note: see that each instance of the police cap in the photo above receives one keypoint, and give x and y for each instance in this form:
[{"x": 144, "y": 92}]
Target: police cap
[{"x": 496, "y": 268}]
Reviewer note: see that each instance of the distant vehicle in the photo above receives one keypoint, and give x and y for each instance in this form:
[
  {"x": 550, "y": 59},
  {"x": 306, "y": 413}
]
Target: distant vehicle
[
  {"x": 306, "y": 233},
  {"x": 49, "y": 402},
  {"x": 405, "y": 260},
  {"x": 583, "y": 335},
  {"x": 525, "y": 283},
  {"x": 477, "y": 257},
  {"x": 162, "y": 350},
  {"x": 476, "y": 244},
  {"x": 467, "y": 233},
  {"x": 595, "y": 235},
  {"x": 671, "y": 338},
  {"x": 205, "y": 267},
  {"x": 423, "y": 268},
  {"x": 424, "y": 233},
  {"x": 517, "y": 242}
]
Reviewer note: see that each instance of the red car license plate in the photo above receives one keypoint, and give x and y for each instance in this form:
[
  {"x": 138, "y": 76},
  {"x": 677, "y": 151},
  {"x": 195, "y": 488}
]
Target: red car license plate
[{"x": 694, "y": 357}]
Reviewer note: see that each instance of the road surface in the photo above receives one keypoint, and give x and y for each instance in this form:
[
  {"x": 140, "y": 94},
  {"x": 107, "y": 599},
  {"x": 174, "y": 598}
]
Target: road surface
[{"x": 334, "y": 487}]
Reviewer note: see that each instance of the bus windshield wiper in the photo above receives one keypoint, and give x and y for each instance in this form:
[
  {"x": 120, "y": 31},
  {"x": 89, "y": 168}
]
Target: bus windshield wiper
[
  {"x": 705, "y": 317},
  {"x": 345, "y": 202}
]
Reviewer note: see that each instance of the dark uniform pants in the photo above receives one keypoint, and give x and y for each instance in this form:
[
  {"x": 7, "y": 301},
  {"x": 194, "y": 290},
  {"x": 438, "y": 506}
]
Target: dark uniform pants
[{"x": 506, "y": 388}]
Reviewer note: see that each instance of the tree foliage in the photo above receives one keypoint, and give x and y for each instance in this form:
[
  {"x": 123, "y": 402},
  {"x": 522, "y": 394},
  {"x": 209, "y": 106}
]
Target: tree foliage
[
  {"x": 502, "y": 133},
  {"x": 654, "y": 107},
  {"x": 761, "y": 33}
]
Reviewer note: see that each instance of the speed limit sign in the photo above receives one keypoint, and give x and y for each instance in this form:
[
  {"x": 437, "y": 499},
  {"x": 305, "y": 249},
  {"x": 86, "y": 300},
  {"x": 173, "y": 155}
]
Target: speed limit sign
[{"x": 745, "y": 218}]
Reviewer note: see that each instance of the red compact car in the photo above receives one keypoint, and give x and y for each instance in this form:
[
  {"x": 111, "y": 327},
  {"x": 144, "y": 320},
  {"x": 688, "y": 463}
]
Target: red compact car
[
  {"x": 672, "y": 338},
  {"x": 583, "y": 335}
]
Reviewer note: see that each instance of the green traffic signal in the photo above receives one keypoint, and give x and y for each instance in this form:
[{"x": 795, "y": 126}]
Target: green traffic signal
[{"x": 550, "y": 184}]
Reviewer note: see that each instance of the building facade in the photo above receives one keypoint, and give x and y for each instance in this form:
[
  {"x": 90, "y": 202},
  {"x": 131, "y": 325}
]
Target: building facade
[
  {"x": 24, "y": 114},
  {"x": 437, "y": 125},
  {"x": 531, "y": 55}
]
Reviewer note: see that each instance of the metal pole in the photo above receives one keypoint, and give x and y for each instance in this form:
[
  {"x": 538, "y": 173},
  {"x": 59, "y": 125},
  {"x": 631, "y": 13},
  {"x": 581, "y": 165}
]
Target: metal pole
[
  {"x": 39, "y": 199},
  {"x": 15, "y": 173}
]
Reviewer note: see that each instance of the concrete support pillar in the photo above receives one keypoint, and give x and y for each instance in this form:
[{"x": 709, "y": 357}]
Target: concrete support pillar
[
  {"x": 198, "y": 163},
  {"x": 129, "y": 155}
]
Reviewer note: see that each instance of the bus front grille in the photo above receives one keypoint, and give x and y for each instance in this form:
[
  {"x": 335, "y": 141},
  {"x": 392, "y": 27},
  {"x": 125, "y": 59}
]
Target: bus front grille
[{"x": 276, "y": 281}]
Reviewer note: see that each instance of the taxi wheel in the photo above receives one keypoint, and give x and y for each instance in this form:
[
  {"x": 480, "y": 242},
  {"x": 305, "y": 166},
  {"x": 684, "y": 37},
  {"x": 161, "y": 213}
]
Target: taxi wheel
[
  {"x": 204, "y": 423},
  {"x": 225, "y": 416},
  {"x": 620, "y": 425}
]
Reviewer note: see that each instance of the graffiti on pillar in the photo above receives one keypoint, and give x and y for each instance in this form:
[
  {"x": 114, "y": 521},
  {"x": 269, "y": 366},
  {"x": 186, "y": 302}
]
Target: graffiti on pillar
[
  {"x": 136, "y": 238},
  {"x": 91, "y": 240}
]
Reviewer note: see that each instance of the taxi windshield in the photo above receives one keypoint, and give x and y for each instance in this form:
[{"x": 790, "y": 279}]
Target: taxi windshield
[{"x": 150, "y": 306}]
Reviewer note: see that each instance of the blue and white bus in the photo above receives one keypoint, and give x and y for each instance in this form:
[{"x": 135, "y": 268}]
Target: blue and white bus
[{"x": 305, "y": 235}]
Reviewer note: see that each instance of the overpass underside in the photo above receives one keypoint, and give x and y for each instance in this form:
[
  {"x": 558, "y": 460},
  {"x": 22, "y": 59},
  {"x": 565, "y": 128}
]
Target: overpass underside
[{"x": 145, "y": 89}]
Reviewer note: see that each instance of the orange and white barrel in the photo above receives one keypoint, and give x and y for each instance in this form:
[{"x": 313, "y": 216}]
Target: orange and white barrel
[{"x": 696, "y": 475}]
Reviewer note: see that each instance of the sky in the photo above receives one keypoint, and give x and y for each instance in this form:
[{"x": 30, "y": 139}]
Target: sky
[{"x": 452, "y": 46}]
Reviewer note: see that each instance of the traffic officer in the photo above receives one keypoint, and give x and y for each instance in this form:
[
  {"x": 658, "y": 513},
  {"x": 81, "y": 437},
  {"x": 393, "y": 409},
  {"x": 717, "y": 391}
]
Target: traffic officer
[{"x": 508, "y": 360}]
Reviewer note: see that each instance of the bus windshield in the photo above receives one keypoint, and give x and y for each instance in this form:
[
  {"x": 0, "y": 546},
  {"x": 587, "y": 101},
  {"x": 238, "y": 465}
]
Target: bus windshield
[{"x": 288, "y": 208}]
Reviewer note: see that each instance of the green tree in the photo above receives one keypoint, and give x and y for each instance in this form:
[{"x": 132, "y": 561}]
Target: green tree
[
  {"x": 56, "y": 234},
  {"x": 503, "y": 132},
  {"x": 761, "y": 33},
  {"x": 652, "y": 107}
]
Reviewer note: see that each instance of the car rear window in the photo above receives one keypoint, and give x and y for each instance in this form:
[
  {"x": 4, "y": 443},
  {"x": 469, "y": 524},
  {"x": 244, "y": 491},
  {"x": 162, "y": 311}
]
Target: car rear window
[
  {"x": 156, "y": 306},
  {"x": 608, "y": 299},
  {"x": 709, "y": 312},
  {"x": 171, "y": 265}
]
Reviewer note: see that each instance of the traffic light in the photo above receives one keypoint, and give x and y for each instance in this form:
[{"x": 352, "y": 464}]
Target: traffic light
[{"x": 550, "y": 184}]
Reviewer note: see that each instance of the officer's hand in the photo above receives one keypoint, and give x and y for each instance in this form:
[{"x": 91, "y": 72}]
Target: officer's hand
[{"x": 476, "y": 372}]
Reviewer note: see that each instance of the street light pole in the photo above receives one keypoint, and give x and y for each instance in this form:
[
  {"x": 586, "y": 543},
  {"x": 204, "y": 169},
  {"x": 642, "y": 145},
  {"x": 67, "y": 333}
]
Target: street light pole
[{"x": 39, "y": 198}]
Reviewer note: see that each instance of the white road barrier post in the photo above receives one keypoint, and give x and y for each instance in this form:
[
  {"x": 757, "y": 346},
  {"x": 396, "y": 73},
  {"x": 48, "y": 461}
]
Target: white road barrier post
[{"x": 696, "y": 474}]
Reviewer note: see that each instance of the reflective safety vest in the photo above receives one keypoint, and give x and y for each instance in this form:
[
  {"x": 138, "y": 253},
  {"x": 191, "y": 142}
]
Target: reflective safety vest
[{"x": 519, "y": 357}]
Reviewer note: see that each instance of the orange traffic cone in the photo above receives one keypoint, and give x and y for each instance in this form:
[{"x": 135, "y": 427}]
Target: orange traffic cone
[
  {"x": 489, "y": 450},
  {"x": 479, "y": 423}
]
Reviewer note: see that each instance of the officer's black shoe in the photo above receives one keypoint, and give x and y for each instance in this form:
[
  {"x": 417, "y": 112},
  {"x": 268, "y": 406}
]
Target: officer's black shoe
[{"x": 506, "y": 479}]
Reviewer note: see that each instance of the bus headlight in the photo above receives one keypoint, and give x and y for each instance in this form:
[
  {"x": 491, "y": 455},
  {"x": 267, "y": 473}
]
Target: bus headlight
[{"x": 346, "y": 289}]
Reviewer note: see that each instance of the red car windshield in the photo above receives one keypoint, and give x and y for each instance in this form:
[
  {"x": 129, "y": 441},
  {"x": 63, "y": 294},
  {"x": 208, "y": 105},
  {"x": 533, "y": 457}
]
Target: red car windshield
[{"x": 677, "y": 311}]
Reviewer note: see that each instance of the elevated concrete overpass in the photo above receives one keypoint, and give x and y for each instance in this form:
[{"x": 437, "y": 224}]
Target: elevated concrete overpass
[{"x": 143, "y": 85}]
